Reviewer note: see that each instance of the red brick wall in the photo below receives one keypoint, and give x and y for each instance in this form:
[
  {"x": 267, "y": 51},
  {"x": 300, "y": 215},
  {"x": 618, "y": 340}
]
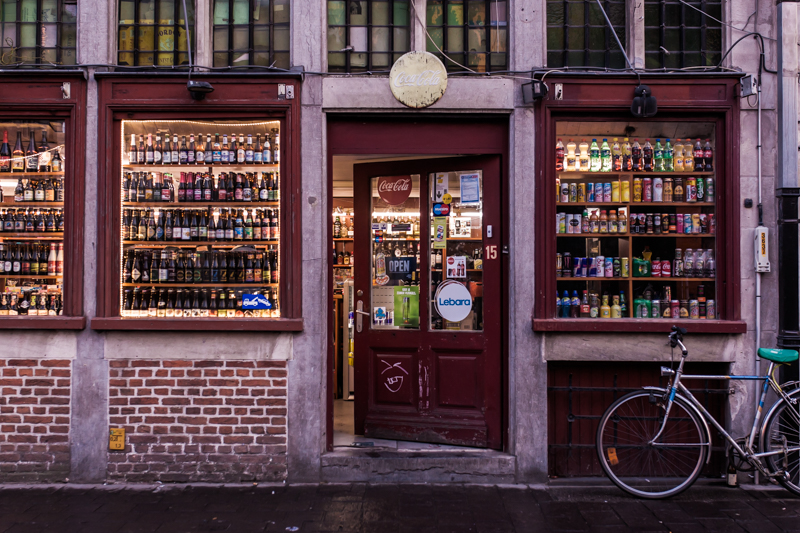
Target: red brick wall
[
  {"x": 34, "y": 419},
  {"x": 214, "y": 421}
]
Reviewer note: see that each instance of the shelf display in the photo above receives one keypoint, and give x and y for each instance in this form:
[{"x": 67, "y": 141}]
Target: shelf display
[
  {"x": 200, "y": 223},
  {"x": 636, "y": 225},
  {"x": 32, "y": 185}
]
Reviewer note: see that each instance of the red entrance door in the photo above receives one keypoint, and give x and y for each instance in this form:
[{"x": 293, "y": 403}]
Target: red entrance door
[{"x": 428, "y": 283}]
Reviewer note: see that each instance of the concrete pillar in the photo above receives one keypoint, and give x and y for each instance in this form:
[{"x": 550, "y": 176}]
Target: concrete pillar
[{"x": 634, "y": 33}]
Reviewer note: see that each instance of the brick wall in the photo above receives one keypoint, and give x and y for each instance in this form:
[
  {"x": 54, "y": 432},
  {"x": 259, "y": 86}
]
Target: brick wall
[
  {"x": 214, "y": 421},
  {"x": 34, "y": 419}
]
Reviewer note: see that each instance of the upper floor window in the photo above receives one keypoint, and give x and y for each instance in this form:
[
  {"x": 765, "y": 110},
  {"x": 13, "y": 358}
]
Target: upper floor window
[
  {"x": 678, "y": 35},
  {"x": 153, "y": 33},
  {"x": 39, "y": 32},
  {"x": 578, "y": 36},
  {"x": 471, "y": 33},
  {"x": 251, "y": 32},
  {"x": 367, "y": 34}
]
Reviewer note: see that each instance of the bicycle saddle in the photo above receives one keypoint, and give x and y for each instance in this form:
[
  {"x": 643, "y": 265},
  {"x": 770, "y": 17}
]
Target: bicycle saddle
[{"x": 777, "y": 355}]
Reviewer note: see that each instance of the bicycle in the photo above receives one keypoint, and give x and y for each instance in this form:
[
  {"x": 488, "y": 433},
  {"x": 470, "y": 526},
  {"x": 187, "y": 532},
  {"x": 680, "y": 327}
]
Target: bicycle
[{"x": 653, "y": 443}]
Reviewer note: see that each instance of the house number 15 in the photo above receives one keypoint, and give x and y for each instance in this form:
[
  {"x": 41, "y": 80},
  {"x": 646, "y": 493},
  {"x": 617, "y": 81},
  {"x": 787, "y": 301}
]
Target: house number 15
[{"x": 491, "y": 251}]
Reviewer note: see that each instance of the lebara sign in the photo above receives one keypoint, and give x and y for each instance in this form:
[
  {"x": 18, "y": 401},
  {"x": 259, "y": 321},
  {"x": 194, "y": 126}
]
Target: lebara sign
[
  {"x": 394, "y": 190},
  {"x": 418, "y": 79},
  {"x": 453, "y": 301}
]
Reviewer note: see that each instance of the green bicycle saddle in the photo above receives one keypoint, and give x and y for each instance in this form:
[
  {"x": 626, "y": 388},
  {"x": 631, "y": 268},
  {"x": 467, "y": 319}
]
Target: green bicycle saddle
[{"x": 778, "y": 356}]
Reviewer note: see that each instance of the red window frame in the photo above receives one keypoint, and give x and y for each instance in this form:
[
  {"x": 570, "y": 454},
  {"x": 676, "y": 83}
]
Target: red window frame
[
  {"x": 60, "y": 96},
  {"x": 708, "y": 98},
  {"x": 138, "y": 97}
]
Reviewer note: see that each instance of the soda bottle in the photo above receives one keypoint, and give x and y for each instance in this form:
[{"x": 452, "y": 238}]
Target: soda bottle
[
  {"x": 699, "y": 155},
  {"x": 647, "y": 156},
  {"x": 658, "y": 157},
  {"x": 585, "y": 305},
  {"x": 571, "y": 163},
  {"x": 623, "y": 305},
  {"x": 605, "y": 309},
  {"x": 558, "y": 305},
  {"x": 616, "y": 310},
  {"x": 616, "y": 156},
  {"x": 584, "y": 156},
  {"x": 559, "y": 156},
  {"x": 594, "y": 156},
  {"x": 708, "y": 157},
  {"x": 575, "y": 306},
  {"x": 605, "y": 157},
  {"x": 565, "y": 305},
  {"x": 627, "y": 158},
  {"x": 636, "y": 153},
  {"x": 688, "y": 156},
  {"x": 677, "y": 156},
  {"x": 668, "y": 155}
]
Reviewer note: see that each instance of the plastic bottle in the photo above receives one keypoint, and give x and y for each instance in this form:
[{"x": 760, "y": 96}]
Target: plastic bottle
[
  {"x": 677, "y": 156},
  {"x": 571, "y": 164},
  {"x": 711, "y": 265},
  {"x": 623, "y": 305},
  {"x": 585, "y": 305},
  {"x": 658, "y": 157},
  {"x": 566, "y": 304},
  {"x": 616, "y": 156},
  {"x": 708, "y": 157},
  {"x": 627, "y": 158},
  {"x": 616, "y": 310},
  {"x": 699, "y": 154},
  {"x": 668, "y": 157},
  {"x": 613, "y": 224},
  {"x": 575, "y": 306},
  {"x": 637, "y": 162},
  {"x": 605, "y": 309},
  {"x": 688, "y": 156},
  {"x": 559, "y": 156},
  {"x": 558, "y": 305},
  {"x": 603, "y": 221},
  {"x": 647, "y": 156},
  {"x": 605, "y": 157},
  {"x": 583, "y": 158},
  {"x": 688, "y": 263},
  {"x": 594, "y": 157}
]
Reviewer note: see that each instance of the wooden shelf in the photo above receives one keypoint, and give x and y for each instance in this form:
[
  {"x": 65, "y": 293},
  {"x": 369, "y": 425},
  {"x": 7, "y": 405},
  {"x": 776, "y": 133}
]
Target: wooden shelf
[
  {"x": 635, "y": 204},
  {"x": 468, "y": 270},
  {"x": 153, "y": 244},
  {"x": 400, "y": 239},
  {"x": 632, "y": 278},
  {"x": 579, "y": 175},
  {"x": 647, "y": 235},
  {"x": 464, "y": 238},
  {"x": 199, "y": 205},
  {"x": 594, "y": 235},
  {"x": 199, "y": 168},
  {"x": 28, "y": 175},
  {"x": 637, "y": 325},
  {"x": 32, "y": 235},
  {"x": 209, "y": 285},
  {"x": 32, "y": 204},
  {"x": 343, "y": 240},
  {"x": 342, "y": 266},
  {"x": 29, "y": 276}
]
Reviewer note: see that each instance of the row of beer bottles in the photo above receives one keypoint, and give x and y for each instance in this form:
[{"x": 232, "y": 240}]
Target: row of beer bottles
[
  {"x": 48, "y": 190},
  {"x": 32, "y": 259},
  {"x": 33, "y": 159},
  {"x": 168, "y": 266},
  {"x": 208, "y": 153},
  {"x": 201, "y": 187},
  {"x": 31, "y": 220},
  {"x": 199, "y": 225},
  {"x": 31, "y": 303},
  {"x": 200, "y": 303}
]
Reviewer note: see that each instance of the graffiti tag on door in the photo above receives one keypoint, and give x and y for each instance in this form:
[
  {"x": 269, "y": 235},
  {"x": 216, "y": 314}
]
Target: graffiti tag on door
[{"x": 394, "y": 380}]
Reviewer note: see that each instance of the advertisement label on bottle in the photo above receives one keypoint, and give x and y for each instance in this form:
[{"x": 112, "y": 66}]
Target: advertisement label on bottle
[
  {"x": 406, "y": 307},
  {"x": 453, "y": 301},
  {"x": 439, "y": 233},
  {"x": 394, "y": 190}
]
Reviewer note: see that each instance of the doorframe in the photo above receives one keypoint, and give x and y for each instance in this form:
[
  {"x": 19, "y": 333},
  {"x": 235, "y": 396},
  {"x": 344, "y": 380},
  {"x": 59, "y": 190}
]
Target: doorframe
[{"x": 416, "y": 135}]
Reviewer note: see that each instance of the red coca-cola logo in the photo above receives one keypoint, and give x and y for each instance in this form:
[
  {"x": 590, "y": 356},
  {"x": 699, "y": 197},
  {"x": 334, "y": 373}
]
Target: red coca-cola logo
[{"x": 394, "y": 190}]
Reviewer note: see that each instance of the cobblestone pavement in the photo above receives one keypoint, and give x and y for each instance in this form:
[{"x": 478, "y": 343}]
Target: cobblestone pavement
[{"x": 389, "y": 509}]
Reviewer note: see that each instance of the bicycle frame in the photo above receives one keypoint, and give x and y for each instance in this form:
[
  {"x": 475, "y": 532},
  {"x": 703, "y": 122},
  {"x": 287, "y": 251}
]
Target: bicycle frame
[{"x": 769, "y": 382}]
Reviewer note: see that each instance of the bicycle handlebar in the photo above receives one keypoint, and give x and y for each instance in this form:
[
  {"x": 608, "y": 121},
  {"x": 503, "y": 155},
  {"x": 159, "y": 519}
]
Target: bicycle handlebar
[{"x": 676, "y": 336}]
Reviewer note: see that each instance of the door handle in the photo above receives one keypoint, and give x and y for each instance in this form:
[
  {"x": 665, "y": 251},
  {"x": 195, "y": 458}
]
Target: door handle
[{"x": 359, "y": 313}]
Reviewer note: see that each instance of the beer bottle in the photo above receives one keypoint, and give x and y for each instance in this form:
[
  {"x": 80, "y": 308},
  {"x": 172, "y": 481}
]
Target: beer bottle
[
  {"x": 197, "y": 271},
  {"x": 232, "y": 149},
  {"x": 176, "y": 154},
  {"x": 24, "y": 304},
  {"x": 163, "y": 268},
  {"x": 248, "y": 269},
  {"x": 190, "y": 154},
  {"x": 225, "y": 150},
  {"x": 170, "y": 310},
  {"x": 49, "y": 191},
  {"x": 248, "y": 227},
  {"x": 166, "y": 151},
  {"x": 198, "y": 187},
  {"x": 5, "y": 154},
  {"x": 238, "y": 193},
  {"x": 223, "y": 269},
  {"x": 214, "y": 274},
  {"x": 266, "y": 151},
  {"x": 216, "y": 153},
  {"x": 193, "y": 227},
  {"x": 152, "y": 307},
  {"x": 180, "y": 271},
  {"x": 273, "y": 266},
  {"x": 220, "y": 228},
  {"x": 241, "y": 152},
  {"x": 204, "y": 303},
  {"x": 229, "y": 227},
  {"x": 222, "y": 306},
  {"x": 205, "y": 269},
  {"x": 249, "y": 153},
  {"x": 183, "y": 152},
  {"x": 258, "y": 266},
  {"x": 202, "y": 229},
  {"x": 166, "y": 188},
  {"x": 178, "y": 310},
  {"x": 151, "y": 226},
  {"x": 171, "y": 268},
  {"x": 149, "y": 157},
  {"x": 35, "y": 259},
  {"x": 212, "y": 226},
  {"x": 232, "y": 304},
  {"x": 221, "y": 190},
  {"x": 238, "y": 230},
  {"x": 57, "y": 164},
  {"x": 155, "y": 275},
  {"x": 212, "y": 305},
  {"x": 38, "y": 191},
  {"x": 274, "y": 229},
  {"x": 44, "y": 154},
  {"x": 258, "y": 151},
  {"x": 188, "y": 270},
  {"x": 27, "y": 193},
  {"x": 3, "y": 305},
  {"x": 276, "y": 146},
  {"x": 209, "y": 151},
  {"x": 18, "y": 156},
  {"x": 247, "y": 188},
  {"x": 159, "y": 150},
  {"x": 145, "y": 272},
  {"x": 31, "y": 155},
  {"x": 276, "y": 187}
]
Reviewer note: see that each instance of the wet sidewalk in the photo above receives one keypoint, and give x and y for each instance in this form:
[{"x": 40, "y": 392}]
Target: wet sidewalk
[{"x": 389, "y": 509}]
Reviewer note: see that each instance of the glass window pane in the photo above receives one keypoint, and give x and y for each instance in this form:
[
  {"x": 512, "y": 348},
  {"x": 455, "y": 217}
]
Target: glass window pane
[
  {"x": 499, "y": 40},
  {"x": 455, "y": 13},
  {"x": 595, "y": 16},
  {"x": 476, "y": 13},
  {"x": 336, "y": 40},
  {"x": 498, "y": 60},
  {"x": 281, "y": 60},
  {"x": 672, "y": 41},
  {"x": 435, "y": 9},
  {"x": 499, "y": 12},
  {"x": 241, "y": 38},
  {"x": 336, "y": 13},
  {"x": 476, "y": 40},
  {"x": 261, "y": 11},
  {"x": 281, "y": 13},
  {"x": 555, "y": 13},
  {"x": 358, "y": 38},
  {"x": 401, "y": 13},
  {"x": 380, "y": 13},
  {"x": 380, "y": 39},
  {"x": 336, "y": 59},
  {"x": 597, "y": 38},
  {"x": 261, "y": 38},
  {"x": 281, "y": 36},
  {"x": 435, "y": 38},
  {"x": 358, "y": 12},
  {"x": 147, "y": 14},
  {"x": 672, "y": 14},
  {"x": 575, "y": 14},
  {"x": 166, "y": 11},
  {"x": 691, "y": 40},
  {"x": 455, "y": 40},
  {"x": 261, "y": 58},
  {"x": 555, "y": 59},
  {"x": 401, "y": 39},
  {"x": 575, "y": 39},
  {"x": 221, "y": 12},
  {"x": 220, "y": 59},
  {"x": 220, "y": 38},
  {"x": 68, "y": 57},
  {"x": 241, "y": 11},
  {"x": 380, "y": 60},
  {"x": 358, "y": 60}
]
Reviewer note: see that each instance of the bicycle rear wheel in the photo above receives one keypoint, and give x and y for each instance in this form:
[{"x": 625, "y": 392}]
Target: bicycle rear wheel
[
  {"x": 659, "y": 470},
  {"x": 783, "y": 428}
]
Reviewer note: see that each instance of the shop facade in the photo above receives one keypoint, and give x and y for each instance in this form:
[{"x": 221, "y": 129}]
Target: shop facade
[{"x": 266, "y": 389}]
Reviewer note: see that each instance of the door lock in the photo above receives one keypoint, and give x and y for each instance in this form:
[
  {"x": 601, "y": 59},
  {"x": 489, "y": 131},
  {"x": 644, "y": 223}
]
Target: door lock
[{"x": 359, "y": 313}]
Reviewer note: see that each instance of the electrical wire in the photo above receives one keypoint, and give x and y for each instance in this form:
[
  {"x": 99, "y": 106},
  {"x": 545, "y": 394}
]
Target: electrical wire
[{"x": 684, "y": 2}]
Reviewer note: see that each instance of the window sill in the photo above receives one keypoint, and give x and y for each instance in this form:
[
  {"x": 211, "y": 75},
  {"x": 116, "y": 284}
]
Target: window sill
[
  {"x": 45, "y": 322},
  {"x": 203, "y": 324},
  {"x": 638, "y": 325}
]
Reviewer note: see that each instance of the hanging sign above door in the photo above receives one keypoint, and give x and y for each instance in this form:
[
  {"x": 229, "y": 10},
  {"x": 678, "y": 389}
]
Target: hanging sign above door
[
  {"x": 394, "y": 190},
  {"x": 418, "y": 79}
]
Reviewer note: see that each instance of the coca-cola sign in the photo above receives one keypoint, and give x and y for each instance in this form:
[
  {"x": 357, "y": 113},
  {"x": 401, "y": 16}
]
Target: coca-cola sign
[
  {"x": 418, "y": 79},
  {"x": 394, "y": 190}
]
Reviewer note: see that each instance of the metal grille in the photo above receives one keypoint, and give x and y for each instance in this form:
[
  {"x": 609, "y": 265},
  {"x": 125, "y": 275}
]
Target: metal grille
[
  {"x": 578, "y": 36},
  {"x": 366, "y": 35},
  {"x": 251, "y": 32},
  {"x": 472, "y": 33},
  {"x": 39, "y": 32},
  {"x": 579, "y": 393},
  {"x": 153, "y": 33},
  {"x": 678, "y": 36}
]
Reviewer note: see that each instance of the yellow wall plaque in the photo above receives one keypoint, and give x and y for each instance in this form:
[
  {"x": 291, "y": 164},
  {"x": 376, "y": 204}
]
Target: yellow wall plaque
[
  {"x": 418, "y": 79},
  {"x": 116, "y": 439}
]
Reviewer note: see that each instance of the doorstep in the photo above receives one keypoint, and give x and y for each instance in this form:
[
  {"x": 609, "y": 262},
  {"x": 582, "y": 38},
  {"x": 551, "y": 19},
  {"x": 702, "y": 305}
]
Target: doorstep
[{"x": 386, "y": 465}]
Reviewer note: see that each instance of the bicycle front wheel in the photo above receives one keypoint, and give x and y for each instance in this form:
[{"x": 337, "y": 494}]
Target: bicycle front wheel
[
  {"x": 782, "y": 436},
  {"x": 640, "y": 466}
]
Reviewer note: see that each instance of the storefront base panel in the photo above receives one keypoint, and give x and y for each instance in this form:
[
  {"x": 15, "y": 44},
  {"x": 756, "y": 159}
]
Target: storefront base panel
[
  {"x": 198, "y": 421},
  {"x": 35, "y": 419}
]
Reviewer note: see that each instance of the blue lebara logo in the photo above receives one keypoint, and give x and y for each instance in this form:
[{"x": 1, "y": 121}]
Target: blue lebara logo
[{"x": 255, "y": 301}]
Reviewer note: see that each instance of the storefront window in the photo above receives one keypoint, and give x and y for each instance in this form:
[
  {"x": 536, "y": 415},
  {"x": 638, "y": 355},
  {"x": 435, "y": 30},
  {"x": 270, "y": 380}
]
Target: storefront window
[
  {"x": 32, "y": 267},
  {"x": 153, "y": 33},
  {"x": 680, "y": 34},
  {"x": 367, "y": 34},
  {"x": 636, "y": 220},
  {"x": 469, "y": 34},
  {"x": 41, "y": 32},
  {"x": 251, "y": 32},
  {"x": 578, "y": 35},
  {"x": 201, "y": 219}
]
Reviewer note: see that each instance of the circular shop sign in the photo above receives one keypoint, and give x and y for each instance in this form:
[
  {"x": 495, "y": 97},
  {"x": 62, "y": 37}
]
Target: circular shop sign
[
  {"x": 418, "y": 79},
  {"x": 453, "y": 301},
  {"x": 394, "y": 190}
]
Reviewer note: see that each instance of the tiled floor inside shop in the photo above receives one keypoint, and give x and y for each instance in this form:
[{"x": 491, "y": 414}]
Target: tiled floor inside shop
[{"x": 343, "y": 437}]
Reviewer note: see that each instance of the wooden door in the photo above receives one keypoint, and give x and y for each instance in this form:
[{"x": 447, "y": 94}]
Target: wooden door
[{"x": 436, "y": 380}]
